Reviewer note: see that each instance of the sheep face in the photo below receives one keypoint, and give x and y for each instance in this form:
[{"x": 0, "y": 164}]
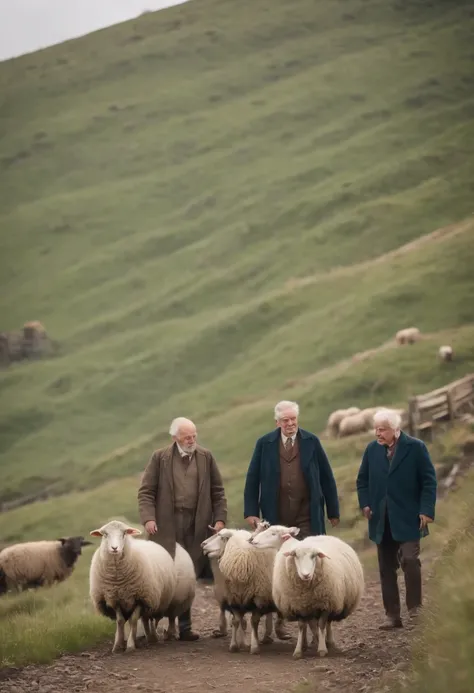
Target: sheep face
[
  {"x": 307, "y": 561},
  {"x": 214, "y": 546},
  {"x": 74, "y": 545},
  {"x": 114, "y": 536},
  {"x": 273, "y": 537}
]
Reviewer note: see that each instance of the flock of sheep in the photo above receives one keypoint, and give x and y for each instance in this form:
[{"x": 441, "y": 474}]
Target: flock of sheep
[
  {"x": 315, "y": 582},
  {"x": 268, "y": 572},
  {"x": 351, "y": 421},
  {"x": 264, "y": 573},
  {"x": 410, "y": 335}
]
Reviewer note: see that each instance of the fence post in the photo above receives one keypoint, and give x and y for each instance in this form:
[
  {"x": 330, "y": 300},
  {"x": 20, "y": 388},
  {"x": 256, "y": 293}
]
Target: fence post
[
  {"x": 412, "y": 416},
  {"x": 449, "y": 397}
]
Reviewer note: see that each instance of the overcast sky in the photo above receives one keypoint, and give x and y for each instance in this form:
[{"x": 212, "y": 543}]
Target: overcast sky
[{"x": 27, "y": 25}]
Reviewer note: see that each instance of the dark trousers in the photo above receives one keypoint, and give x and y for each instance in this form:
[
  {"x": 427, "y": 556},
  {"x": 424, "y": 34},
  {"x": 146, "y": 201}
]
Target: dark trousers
[
  {"x": 391, "y": 555},
  {"x": 184, "y": 522}
]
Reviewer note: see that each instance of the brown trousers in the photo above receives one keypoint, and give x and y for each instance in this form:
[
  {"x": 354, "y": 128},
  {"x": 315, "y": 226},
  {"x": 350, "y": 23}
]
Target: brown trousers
[{"x": 391, "y": 555}]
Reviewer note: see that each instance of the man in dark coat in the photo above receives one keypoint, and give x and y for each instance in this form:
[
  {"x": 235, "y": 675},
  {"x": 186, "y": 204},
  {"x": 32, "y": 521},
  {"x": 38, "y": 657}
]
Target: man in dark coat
[
  {"x": 396, "y": 487},
  {"x": 289, "y": 478},
  {"x": 180, "y": 495}
]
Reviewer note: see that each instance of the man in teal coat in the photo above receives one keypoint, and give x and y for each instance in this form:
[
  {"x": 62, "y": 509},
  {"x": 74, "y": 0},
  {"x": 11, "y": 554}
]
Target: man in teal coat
[
  {"x": 289, "y": 479},
  {"x": 396, "y": 487}
]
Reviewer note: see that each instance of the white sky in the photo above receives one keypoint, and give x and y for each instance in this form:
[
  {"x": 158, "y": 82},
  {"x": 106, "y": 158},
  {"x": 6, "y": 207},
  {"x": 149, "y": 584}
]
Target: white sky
[{"x": 28, "y": 25}]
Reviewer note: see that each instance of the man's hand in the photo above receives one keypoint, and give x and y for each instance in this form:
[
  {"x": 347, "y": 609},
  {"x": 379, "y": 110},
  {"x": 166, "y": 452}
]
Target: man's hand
[
  {"x": 334, "y": 521},
  {"x": 367, "y": 512},
  {"x": 218, "y": 526},
  {"x": 424, "y": 520},
  {"x": 151, "y": 527},
  {"x": 253, "y": 521}
]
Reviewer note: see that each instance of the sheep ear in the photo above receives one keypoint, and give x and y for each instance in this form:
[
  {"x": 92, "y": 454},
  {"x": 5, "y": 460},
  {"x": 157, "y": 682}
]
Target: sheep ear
[
  {"x": 322, "y": 555},
  {"x": 213, "y": 529},
  {"x": 132, "y": 530},
  {"x": 62, "y": 540},
  {"x": 84, "y": 542},
  {"x": 96, "y": 533},
  {"x": 294, "y": 531},
  {"x": 289, "y": 553}
]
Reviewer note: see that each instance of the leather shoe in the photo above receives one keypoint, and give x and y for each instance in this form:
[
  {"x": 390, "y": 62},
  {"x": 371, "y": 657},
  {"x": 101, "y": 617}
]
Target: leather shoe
[{"x": 188, "y": 635}]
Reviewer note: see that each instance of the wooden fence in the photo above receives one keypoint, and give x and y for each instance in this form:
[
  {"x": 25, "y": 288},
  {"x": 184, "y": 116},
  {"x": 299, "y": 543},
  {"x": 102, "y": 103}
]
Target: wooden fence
[{"x": 440, "y": 406}]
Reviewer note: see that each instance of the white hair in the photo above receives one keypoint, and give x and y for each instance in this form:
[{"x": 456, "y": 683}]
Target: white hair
[
  {"x": 285, "y": 404},
  {"x": 389, "y": 416},
  {"x": 177, "y": 423}
]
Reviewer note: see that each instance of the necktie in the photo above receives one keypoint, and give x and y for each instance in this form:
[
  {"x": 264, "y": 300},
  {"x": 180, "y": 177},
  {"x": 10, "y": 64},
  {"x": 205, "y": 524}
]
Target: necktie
[{"x": 288, "y": 444}]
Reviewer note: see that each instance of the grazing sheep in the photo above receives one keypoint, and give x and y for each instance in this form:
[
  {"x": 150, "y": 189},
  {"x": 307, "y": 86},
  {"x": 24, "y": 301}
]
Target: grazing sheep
[
  {"x": 445, "y": 353},
  {"x": 315, "y": 582},
  {"x": 185, "y": 590},
  {"x": 38, "y": 563},
  {"x": 336, "y": 417},
  {"x": 409, "y": 335},
  {"x": 130, "y": 579},
  {"x": 243, "y": 583},
  {"x": 357, "y": 423}
]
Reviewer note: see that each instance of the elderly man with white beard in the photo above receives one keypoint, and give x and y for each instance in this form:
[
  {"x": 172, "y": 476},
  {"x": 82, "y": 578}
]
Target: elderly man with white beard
[{"x": 180, "y": 496}]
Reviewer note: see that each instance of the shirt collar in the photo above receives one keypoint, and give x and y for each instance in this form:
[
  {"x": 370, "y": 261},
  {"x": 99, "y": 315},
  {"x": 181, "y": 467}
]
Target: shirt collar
[{"x": 285, "y": 438}]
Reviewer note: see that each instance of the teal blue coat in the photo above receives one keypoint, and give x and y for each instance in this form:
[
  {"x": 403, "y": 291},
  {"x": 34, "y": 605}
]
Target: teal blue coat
[
  {"x": 406, "y": 488},
  {"x": 262, "y": 485}
]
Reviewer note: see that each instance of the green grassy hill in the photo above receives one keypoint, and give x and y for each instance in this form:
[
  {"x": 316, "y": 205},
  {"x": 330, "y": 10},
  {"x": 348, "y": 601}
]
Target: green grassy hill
[
  {"x": 199, "y": 206},
  {"x": 212, "y": 208}
]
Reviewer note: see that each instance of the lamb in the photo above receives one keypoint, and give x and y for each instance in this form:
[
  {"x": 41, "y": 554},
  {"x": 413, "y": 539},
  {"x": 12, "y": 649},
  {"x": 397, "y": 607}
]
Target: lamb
[
  {"x": 336, "y": 417},
  {"x": 315, "y": 581},
  {"x": 38, "y": 563},
  {"x": 243, "y": 583},
  {"x": 409, "y": 335},
  {"x": 128, "y": 579},
  {"x": 445, "y": 353}
]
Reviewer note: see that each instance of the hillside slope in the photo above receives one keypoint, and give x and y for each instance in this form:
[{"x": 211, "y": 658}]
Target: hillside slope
[{"x": 194, "y": 204}]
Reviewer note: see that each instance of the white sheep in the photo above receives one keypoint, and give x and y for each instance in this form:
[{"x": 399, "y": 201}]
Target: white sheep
[
  {"x": 409, "y": 335},
  {"x": 445, "y": 353},
  {"x": 38, "y": 563},
  {"x": 130, "y": 579},
  {"x": 350, "y": 425},
  {"x": 315, "y": 582},
  {"x": 361, "y": 422},
  {"x": 213, "y": 553},
  {"x": 336, "y": 417},
  {"x": 184, "y": 592},
  {"x": 243, "y": 583}
]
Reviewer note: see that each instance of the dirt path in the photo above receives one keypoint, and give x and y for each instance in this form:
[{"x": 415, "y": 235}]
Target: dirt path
[{"x": 206, "y": 665}]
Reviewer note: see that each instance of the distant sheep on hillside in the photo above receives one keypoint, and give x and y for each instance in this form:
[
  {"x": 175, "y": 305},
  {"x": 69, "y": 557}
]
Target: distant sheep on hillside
[
  {"x": 351, "y": 425},
  {"x": 336, "y": 417},
  {"x": 409, "y": 335},
  {"x": 445, "y": 353}
]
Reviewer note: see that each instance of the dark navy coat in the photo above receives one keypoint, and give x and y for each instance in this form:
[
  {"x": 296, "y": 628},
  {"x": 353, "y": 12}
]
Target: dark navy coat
[
  {"x": 406, "y": 488},
  {"x": 262, "y": 485}
]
